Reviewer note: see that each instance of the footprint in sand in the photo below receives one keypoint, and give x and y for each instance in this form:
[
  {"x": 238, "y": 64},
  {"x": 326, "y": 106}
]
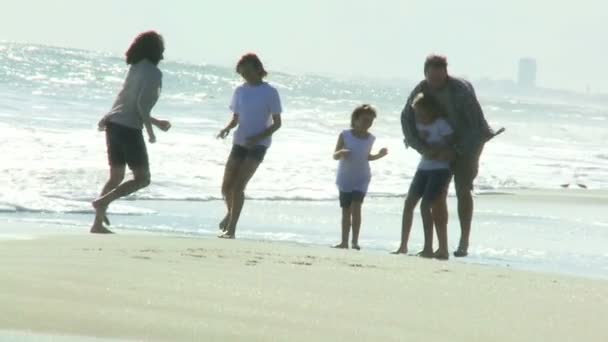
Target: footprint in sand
[
  {"x": 149, "y": 250},
  {"x": 193, "y": 255},
  {"x": 196, "y": 250},
  {"x": 362, "y": 266},
  {"x": 301, "y": 263}
]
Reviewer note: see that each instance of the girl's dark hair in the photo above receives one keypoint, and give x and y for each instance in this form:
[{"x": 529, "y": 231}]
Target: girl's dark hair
[
  {"x": 252, "y": 59},
  {"x": 360, "y": 110},
  {"x": 147, "y": 45},
  {"x": 429, "y": 103}
]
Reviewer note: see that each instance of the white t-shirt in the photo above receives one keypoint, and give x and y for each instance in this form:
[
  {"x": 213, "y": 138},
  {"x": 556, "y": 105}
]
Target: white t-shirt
[
  {"x": 434, "y": 134},
  {"x": 354, "y": 173},
  {"x": 254, "y": 105}
]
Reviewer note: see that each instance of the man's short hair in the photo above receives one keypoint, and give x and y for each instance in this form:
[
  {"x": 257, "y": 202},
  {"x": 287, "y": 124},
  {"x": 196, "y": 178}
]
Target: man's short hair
[{"x": 435, "y": 61}]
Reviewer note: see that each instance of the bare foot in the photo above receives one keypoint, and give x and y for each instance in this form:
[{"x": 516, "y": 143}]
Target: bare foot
[
  {"x": 401, "y": 250},
  {"x": 100, "y": 212},
  {"x": 356, "y": 246},
  {"x": 224, "y": 223},
  {"x": 462, "y": 251},
  {"x": 441, "y": 255},
  {"x": 100, "y": 229},
  {"x": 341, "y": 246},
  {"x": 426, "y": 254},
  {"x": 226, "y": 236}
]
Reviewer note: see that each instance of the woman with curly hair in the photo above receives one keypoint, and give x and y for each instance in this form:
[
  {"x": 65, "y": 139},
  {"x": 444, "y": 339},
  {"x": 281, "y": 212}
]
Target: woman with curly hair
[{"x": 125, "y": 122}]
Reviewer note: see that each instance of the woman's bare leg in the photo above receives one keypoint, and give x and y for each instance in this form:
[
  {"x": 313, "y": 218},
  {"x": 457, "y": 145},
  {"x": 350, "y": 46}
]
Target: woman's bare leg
[
  {"x": 230, "y": 173},
  {"x": 117, "y": 174},
  {"x": 141, "y": 179},
  {"x": 245, "y": 172}
]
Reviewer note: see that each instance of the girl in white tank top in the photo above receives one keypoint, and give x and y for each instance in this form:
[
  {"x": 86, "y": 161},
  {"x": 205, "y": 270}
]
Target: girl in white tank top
[{"x": 353, "y": 150}]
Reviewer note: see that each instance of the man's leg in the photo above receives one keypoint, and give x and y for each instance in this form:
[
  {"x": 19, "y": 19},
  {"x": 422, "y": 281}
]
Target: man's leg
[{"x": 465, "y": 172}]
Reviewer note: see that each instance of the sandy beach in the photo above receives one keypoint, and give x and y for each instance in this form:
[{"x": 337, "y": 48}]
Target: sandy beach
[{"x": 161, "y": 288}]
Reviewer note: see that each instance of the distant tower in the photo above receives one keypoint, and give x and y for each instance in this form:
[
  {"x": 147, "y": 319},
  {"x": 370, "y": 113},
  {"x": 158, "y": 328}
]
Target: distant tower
[{"x": 527, "y": 73}]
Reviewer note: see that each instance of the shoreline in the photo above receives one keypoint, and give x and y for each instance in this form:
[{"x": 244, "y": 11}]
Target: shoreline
[{"x": 548, "y": 231}]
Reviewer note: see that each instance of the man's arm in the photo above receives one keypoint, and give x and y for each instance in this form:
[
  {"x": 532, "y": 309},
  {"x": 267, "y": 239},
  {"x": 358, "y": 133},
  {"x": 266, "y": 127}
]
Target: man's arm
[{"x": 479, "y": 124}]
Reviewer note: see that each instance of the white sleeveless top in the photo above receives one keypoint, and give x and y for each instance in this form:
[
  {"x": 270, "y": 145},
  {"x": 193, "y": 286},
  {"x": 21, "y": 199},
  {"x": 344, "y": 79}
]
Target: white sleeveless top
[{"x": 354, "y": 173}]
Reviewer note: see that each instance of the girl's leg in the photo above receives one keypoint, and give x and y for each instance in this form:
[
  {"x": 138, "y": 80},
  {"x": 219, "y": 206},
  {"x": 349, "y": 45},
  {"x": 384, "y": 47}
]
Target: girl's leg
[
  {"x": 427, "y": 224},
  {"x": 440, "y": 218},
  {"x": 407, "y": 220},
  {"x": 244, "y": 173},
  {"x": 346, "y": 222},
  {"x": 355, "y": 209},
  {"x": 230, "y": 172},
  {"x": 117, "y": 174}
]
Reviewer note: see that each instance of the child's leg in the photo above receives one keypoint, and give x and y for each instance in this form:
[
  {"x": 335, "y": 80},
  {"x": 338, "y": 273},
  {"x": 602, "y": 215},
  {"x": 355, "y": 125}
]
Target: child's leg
[
  {"x": 355, "y": 209},
  {"x": 407, "y": 220},
  {"x": 440, "y": 218},
  {"x": 345, "y": 204},
  {"x": 413, "y": 196},
  {"x": 427, "y": 224},
  {"x": 345, "y": 228},
  {"x": 438, "y": 192}
]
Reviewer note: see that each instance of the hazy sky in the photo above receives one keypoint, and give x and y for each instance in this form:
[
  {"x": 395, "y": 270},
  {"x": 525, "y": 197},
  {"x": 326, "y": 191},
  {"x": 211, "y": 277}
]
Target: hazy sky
[{"x": 375, "y": 38}]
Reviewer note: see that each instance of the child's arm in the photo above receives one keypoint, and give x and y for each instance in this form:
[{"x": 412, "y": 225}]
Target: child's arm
[
  {"x": 383, "y": 152},
  {"x": 340, "y": 152},
  {"x": 226, "y": 130}
]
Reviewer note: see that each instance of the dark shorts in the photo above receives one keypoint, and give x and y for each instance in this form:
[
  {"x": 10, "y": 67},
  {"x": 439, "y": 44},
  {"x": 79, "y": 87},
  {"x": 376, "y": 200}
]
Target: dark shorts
[
  {"x": 241, "y": 153},
  {"x": 465, "y": 171},
  {"x": 430, "y": 184},
  {"x": 126, "y": 146},
  {"x": 347, "y": 198}
]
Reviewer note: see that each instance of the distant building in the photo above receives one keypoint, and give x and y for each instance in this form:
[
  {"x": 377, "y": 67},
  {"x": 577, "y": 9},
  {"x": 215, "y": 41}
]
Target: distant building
[{"x": 526, "y": 76}]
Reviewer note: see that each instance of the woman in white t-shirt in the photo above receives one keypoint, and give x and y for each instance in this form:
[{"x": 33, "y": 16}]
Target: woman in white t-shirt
[
  {"x": 256, "y": 109},
  {"x": 431, "y": 180}
]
